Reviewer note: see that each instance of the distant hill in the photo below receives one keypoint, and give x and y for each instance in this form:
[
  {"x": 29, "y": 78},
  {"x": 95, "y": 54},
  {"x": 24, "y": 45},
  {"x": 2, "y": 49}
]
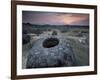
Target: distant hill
[
  {"x": 48, "y": 25},
  {"x": 36, "y": 28}
]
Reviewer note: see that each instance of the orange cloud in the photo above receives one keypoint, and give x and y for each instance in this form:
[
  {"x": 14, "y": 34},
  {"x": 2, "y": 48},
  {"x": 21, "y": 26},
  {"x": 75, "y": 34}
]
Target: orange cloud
[{"x": 73, "y": 18}]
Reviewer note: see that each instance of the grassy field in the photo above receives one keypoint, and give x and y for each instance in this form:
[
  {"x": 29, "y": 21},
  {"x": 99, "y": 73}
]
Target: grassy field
[{"x": 81, "y": 53}]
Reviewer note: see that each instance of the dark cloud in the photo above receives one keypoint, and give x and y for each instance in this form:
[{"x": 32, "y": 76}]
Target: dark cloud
[{"x": 54, "y": 18}]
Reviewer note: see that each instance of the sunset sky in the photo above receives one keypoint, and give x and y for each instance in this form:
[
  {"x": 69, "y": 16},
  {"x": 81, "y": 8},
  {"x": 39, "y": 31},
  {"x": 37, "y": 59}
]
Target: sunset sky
[{"x": 54, "y": 18}]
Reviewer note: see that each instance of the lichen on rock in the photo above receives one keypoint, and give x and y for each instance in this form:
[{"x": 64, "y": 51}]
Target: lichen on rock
[{"x": 51, "y": 51}]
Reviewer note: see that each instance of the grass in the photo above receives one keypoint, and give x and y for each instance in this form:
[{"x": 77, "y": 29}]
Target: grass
[{"x": 81, "y": 52}]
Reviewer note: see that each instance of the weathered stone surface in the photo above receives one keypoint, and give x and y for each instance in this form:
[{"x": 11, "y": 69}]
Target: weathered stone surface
[{"x": 58, "y": 55}]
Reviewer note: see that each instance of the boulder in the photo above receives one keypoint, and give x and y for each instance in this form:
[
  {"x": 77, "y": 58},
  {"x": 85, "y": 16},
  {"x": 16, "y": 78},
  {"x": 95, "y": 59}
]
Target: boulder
[
  {"x": 26, "y": 38},
  {"x": 52, "y": 51}
]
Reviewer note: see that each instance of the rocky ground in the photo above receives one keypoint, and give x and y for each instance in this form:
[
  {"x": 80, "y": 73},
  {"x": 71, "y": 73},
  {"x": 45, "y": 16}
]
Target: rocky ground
[
  {"x": 74, "y": 46},
  {"x": 58, "y": 55}
]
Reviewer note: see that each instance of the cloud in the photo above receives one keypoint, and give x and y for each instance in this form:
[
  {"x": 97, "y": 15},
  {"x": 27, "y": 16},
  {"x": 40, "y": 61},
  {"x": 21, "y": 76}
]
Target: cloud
[{"x": 55, "y": 18}]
